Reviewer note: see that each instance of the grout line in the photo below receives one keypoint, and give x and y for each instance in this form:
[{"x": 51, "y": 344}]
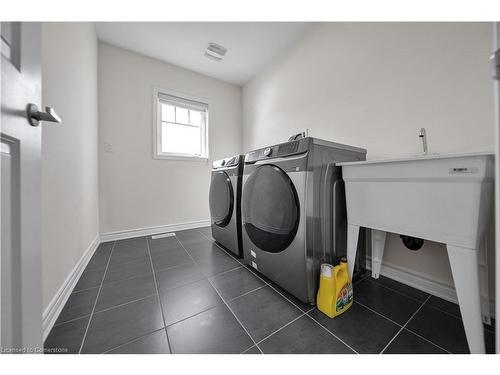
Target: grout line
[
  {"x": 124, "y": 252},
  {"x": 96, "y": 298},
  {"x": 119, "y": 265},
  {"x": 136, "y": 276},
  {"x": 198, "y": 229},
  {"x": 213, "y": 240},
  {"x": 167, "y": 268},
  {"x": 229, "y": 253},
  {"x": 245, "y": 266},
  {"x": 72, "y": 320},
  {"x": 398, "y": 292},
  {"x": 123, "y": 304},
  {"x": 445, "y": 312},
  {"x": 192, "y": 316},
  {"x": 247, "y": 349},
  {"x": 239, "y": 261},
  {"x": 158, "y": 294},
  {"x": 418, "y": 300},
  {"x": 331, "y": 333},
  {"x": 424, "y": 303},
  {"x": 158, "y": 247},
  {"x": 131, "y": 341},
  {"x": 244, "y": 294},
  {"x": 211, "y": 307},
  {"x": 186, "y": 284},
  {"x": 429, "y": 341},
  {"x": 223, "y": 300},
  {"x": 376, "y": 312},
  {"x": 358, "y": 282},
  {"x": 311, "y": 309},
  {"x": 362, "y": 278},
  {"x": 486, "y": 327},
  {"x": 282, "y": 295},
  {"x": 222, "y": 273},
  {"x": 279, "y": 329},
  {"x": 176, "y": 266},
  {"x": 403, "y": 327},
  {"x": 84, "y": 290},
  {"x": 237, "y": 319}
]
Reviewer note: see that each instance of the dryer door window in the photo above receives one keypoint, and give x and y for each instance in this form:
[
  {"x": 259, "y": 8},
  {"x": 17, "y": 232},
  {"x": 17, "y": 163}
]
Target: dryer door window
[
  {"x": 221, "y": 199},
  {"x": 270, "y": 209}
]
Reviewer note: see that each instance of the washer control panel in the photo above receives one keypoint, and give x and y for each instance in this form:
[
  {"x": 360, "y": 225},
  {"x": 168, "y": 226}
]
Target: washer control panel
[{"x": 227, "y": 162}]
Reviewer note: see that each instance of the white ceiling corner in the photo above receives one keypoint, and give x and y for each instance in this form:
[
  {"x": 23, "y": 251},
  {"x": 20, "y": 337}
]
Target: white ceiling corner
[{"x": 251, "y": 45}]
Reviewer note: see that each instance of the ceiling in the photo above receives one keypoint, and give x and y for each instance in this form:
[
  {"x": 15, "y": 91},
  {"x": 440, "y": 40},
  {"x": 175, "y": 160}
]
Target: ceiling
[{"x": 250, "y": 45}]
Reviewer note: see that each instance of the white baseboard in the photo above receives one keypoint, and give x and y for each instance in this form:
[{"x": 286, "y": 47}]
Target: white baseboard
[
  {"x": 55, "y": 306},
  {"x": 421, "y": 282},
  {"x": 121, "y": 235}
]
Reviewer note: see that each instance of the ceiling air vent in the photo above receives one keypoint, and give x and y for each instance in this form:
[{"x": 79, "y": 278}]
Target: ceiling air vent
[{"x": 215, "y": 51}]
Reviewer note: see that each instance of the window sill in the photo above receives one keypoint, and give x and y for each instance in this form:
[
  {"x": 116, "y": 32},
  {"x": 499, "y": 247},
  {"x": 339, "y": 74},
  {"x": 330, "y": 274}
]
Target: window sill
[{"x": 180, "y": 158}]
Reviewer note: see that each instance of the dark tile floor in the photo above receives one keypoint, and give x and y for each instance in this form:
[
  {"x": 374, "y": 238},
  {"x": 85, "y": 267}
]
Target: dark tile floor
[{"x": 185, "y": 294}]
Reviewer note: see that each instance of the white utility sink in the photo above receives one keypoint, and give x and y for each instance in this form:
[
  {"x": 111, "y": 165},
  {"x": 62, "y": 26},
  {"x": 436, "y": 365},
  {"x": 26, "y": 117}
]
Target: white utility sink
[{"x": 442, "y": 198}]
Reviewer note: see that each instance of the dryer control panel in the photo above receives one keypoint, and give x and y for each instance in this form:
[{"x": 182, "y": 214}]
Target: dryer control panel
[{"x": 278, "y": 151}]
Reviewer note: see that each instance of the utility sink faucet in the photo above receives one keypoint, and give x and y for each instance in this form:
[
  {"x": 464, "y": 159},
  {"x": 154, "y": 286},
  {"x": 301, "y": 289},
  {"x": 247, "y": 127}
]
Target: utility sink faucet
[{"x": 422, "y": 134}]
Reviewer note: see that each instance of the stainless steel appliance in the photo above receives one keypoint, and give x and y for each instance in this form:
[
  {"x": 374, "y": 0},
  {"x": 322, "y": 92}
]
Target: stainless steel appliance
[
  {"x": 225, "y": 202},
  {"x": 293, "y": 211}
]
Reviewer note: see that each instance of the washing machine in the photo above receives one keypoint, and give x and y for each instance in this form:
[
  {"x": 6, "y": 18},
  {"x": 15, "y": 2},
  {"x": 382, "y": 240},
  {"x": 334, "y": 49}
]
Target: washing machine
[
  {"x": 294, "y": 212},
  {"x": 225, "y": 202}
]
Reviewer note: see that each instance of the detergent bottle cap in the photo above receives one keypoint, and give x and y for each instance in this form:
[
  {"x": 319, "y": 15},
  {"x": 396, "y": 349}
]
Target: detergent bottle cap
[
  {"x": 326, "y": 270},
  {"x": 343, "y": 260}
]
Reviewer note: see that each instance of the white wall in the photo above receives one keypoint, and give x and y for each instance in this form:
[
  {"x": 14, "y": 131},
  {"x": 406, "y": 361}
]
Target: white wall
[
  {"x": 137, "y": 191},
  {"x": 374, "y": 86},
  {"x": 70, "y": 213}
]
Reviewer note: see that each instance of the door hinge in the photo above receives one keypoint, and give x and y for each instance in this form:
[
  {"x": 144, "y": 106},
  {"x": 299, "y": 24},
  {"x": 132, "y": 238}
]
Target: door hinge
[{"x": 495, "y": 64}]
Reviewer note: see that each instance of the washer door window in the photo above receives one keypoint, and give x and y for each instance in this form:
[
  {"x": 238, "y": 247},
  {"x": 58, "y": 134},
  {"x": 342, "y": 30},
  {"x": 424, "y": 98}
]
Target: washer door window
[
  {"x": 270, "y": 209},
  {"x": 221, "y": 199}
]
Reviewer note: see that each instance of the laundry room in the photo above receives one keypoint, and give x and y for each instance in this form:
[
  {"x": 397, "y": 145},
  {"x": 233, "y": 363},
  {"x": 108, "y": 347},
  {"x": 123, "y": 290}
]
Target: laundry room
[{"x": 251, "y": 187}]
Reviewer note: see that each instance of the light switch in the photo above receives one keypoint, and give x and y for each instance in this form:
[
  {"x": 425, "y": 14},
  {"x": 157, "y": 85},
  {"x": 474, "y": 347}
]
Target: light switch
[{"x": 108, "y": 147}]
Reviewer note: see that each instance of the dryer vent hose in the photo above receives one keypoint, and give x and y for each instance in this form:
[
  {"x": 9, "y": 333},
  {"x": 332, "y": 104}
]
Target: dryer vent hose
[{"x": 412, "y": 243}]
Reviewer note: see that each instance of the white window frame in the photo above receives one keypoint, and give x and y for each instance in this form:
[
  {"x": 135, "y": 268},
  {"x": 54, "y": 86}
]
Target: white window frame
[{"x": 173, "y": 98}]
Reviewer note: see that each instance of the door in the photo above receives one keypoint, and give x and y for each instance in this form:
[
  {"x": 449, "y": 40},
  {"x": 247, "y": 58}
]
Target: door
[
  {"x": 221, "y": 198},
  {"x": 496, "y": 76},
  {"x": 21, "y": 281},
  {"x": 270, "y": 208}
]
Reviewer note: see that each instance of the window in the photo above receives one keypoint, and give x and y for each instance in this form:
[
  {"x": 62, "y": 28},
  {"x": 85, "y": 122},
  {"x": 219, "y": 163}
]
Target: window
[{"x": 181, "y": 127}]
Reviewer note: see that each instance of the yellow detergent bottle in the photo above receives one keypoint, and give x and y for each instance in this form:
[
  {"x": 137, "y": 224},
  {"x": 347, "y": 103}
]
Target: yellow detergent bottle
[{"x": 335, "y": 289}]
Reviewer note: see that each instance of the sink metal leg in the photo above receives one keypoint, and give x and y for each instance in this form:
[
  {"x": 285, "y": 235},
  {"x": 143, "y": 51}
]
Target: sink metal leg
[
  {"x": 483, "y": 280},
  {"x": 465, "y": 270},
  {"x": 378, "y": 245},
  {"x": 352, "y": 246}
]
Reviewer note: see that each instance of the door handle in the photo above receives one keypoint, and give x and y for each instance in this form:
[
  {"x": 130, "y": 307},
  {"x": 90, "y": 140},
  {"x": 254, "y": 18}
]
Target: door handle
[{"x": 35, "y": 116}]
